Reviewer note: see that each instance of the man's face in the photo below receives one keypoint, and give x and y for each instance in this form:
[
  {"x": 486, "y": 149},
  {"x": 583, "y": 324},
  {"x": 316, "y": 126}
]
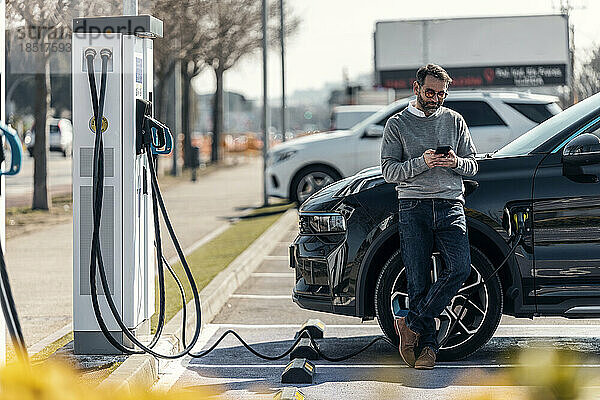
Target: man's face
[{"x": 431, "y": 87}]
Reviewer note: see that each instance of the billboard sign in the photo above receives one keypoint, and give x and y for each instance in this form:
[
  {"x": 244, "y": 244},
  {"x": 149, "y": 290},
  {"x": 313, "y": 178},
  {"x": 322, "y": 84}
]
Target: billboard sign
[{"x": 522, "y": 51}]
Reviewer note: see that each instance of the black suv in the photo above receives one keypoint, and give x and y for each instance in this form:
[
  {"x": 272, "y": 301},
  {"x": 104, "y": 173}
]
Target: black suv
[{"x": 347, "y": 260}]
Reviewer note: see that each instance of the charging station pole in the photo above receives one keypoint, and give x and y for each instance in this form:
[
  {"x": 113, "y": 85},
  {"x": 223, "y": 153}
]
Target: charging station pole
[{"x": 126, "y": 233}]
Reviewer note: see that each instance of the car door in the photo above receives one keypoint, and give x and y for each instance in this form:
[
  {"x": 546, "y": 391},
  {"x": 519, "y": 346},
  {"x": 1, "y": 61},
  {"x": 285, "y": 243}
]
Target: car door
[
  {"x": 566, "y": 232},
  {"x": 488, "y": 130}
]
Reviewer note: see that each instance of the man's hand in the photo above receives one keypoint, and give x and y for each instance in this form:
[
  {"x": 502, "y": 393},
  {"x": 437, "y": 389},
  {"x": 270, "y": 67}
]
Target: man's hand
[
  {"x": 449, "y": 160},
  {"x": 440, "y": 160}
]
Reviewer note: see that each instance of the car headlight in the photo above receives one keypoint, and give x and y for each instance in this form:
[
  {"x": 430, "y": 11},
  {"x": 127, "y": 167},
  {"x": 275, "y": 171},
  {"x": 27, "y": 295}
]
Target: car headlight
[
  {"x": 27, "y": 139},
  {"x": 280, "y": 156},
  {"x": 322, "y": 223}
]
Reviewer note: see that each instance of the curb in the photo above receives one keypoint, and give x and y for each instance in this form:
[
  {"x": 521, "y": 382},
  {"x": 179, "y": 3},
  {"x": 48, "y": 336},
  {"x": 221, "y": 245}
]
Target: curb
[{"x": 142, "y": 369}]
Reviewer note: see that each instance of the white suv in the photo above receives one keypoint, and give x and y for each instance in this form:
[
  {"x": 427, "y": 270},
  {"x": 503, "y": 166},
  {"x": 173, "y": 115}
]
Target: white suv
[{"x": 300, "y": 167}]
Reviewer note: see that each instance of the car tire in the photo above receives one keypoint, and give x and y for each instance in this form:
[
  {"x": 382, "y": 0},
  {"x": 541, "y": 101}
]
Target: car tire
[
  {"x": 30, "y": 151},
  {"x": 322, "y": 175},
  {"x": 482, "y": 325}
]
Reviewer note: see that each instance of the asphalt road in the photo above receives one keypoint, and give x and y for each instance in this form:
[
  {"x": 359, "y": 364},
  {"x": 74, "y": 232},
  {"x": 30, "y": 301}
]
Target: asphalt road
[
  {"x": 262, "y": 312},
  {"x": 19, "y": 188}
]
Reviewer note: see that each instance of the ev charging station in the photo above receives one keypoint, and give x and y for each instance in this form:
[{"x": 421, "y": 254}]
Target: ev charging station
[{"x": 126, "y": 230}]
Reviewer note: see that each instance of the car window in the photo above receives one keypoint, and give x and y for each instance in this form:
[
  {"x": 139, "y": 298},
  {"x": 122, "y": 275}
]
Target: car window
[
  {"x": 594, "y": 130},
  {"x": 476, "y": 113},
  {"x": 535, "y": 112},
  {"x": 346, "y": 120},
  {"x": 381, "y": 116}
]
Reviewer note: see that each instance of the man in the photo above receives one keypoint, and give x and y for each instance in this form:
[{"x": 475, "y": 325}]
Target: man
[{"x": 430, "y": 193}]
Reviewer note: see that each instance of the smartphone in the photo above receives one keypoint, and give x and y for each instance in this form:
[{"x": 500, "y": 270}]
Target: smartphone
[{"x": 443, "y": 150}]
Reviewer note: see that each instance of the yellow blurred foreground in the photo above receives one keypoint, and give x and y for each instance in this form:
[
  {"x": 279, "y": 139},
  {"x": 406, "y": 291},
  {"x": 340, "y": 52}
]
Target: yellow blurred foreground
[
  {"x": 547, "y": 373},
  {"x": 53, "y": 380}
]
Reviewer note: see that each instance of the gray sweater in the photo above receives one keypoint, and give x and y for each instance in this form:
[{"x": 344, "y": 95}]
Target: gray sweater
[{"x": 407, "y": 136}]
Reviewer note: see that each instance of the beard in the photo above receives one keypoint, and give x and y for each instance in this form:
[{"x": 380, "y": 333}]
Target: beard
[{"x": 429, "y": 105}]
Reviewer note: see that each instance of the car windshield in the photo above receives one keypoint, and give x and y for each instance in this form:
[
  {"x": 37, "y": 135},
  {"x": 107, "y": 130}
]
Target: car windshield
[{"x": 532, "y": 139}]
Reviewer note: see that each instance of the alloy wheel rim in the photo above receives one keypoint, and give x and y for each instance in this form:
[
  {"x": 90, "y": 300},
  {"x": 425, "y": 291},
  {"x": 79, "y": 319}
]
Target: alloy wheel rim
[
  {"x": 472, "y": 320},
  {"x": 312, "y": 183}
]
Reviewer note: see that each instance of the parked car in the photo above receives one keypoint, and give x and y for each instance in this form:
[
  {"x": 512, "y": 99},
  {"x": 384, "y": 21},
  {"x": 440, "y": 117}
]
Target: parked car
[
  {"x": 300, "y": 167},
  {"x": 60, "y": 139},
  {"x": 345, "y": 117},
  {"x": 347, "y": 259}
]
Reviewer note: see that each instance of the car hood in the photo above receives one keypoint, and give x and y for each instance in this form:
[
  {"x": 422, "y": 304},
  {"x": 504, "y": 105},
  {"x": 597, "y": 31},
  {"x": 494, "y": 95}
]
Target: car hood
[{"x": 303, "y": 141}]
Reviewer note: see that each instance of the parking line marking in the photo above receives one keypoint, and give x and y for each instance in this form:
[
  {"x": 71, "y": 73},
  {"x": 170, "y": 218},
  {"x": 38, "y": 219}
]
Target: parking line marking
[
  {"x": 262, "y": 296},
  {"x": 273, "y": 274},
  {"x": 437, "y": 366},
  {"x": 177, "y": 367},
  {"x": 548, "y": 331},
  {"x": 276, "y": 258},
  {"x": 522, "y": 331},
  {"x": 282, "y": 326}
]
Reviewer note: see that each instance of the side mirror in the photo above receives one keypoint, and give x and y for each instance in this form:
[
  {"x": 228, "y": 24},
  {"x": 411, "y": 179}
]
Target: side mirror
[
  {"x": 582, "y": 150},
  {"x": 374, "y": 131}
]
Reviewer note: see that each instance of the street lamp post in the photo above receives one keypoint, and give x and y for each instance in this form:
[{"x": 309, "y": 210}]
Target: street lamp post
[
  {"x": 265, "y": 115},
  {"x": 282, "y": 45}
]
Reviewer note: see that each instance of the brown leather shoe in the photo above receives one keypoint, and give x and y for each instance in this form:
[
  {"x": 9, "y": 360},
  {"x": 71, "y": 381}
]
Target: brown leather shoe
[
  {"x": 426, "y": 359},
  {"x": 408, "y": 341}
]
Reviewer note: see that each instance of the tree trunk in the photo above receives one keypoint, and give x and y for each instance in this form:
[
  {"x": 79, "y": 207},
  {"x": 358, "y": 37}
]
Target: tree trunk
[
  {"x": 161, "y": 99},
  {"x": 41, "y": 198},
  {"x": 186, "y": 82},
  {"x": 217, "y": 116}
]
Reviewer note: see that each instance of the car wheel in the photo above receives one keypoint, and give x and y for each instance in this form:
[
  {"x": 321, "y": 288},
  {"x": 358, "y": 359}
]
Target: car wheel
[
  {"x": 30, "y": 151},
  {"x": 310, "y": 180},
  {"x": 478, "y": 323}
]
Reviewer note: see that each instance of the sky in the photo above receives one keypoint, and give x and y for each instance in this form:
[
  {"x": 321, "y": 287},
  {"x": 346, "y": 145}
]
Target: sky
[{"x": 337, "y": 35}]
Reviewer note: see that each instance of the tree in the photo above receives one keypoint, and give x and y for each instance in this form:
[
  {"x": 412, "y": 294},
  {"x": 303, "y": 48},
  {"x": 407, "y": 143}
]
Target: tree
[
  {"x": 235, "y": 31},
  {"x": 44, "y": 20},
  {"x": 185, "y": 34},
  {"x": 588, "y": 76}
]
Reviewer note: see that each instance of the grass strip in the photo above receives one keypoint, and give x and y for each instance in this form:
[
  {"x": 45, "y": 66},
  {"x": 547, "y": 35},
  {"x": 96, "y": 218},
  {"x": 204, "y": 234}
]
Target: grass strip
[{"x": 213, "y": 257}]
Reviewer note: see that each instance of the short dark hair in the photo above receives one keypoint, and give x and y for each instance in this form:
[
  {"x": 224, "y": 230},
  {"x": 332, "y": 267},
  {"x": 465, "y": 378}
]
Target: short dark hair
[{"x": 434, "y": 70}]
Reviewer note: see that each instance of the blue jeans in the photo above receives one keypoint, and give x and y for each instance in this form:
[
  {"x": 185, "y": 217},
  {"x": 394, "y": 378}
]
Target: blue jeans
[{"x": 423, "y": 223}]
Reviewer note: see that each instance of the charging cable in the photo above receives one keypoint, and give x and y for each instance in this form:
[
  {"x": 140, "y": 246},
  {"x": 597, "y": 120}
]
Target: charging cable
[{"x": 10, "y": 313}]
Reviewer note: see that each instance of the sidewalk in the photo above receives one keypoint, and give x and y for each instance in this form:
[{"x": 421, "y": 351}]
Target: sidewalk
[{"x": 40, "y": 263}]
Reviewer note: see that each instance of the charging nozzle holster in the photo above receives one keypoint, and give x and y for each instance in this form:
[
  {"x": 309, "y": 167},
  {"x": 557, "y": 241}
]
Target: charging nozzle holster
[
  {"x": 16, "y": 150},
  {"x": 150, "y": 131}
]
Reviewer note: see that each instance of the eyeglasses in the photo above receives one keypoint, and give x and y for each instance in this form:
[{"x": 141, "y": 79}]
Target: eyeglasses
[{"x": 430, "y": 94}]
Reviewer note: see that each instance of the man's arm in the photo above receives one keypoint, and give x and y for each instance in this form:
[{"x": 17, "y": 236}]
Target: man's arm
[
  {"x": 466, "y": 164},
  {"x": 393, "y": 168}
]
